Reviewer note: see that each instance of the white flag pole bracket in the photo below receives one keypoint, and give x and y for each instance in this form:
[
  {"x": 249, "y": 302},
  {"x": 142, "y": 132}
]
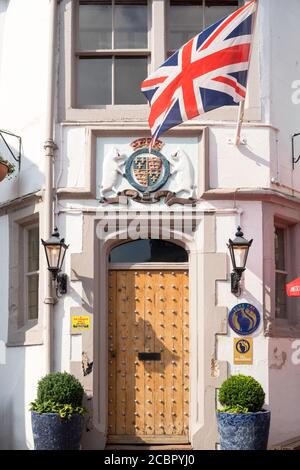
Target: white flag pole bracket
[
  {"x": 237, "y": 140},
  {"x": 232, "y": 141}
]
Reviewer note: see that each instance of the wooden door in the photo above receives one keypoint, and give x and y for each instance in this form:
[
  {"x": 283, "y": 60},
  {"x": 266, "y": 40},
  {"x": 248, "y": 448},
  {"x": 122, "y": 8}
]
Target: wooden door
[{"x": 148, "y": 400}]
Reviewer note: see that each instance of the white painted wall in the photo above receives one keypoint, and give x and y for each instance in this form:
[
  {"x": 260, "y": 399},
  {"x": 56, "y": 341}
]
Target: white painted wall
[
  {"x": 23, "y": 75},
  {"x": 71, "y": 226},
  {"x": 18, "y": 389},
  {"x": 284, "y": 386},
  {"x": 252, "y": 290},
  {"x": 280, "y": 69},
  {"x": 23, "y": 86},
  {"x": 23, "y": 95},
  {"x": 3, "y": 7},
  {"x": 24, "y": 30},
  {"x": 247, "y": 166},
  {"x": 23, "y": 79},
  {"x": 20, "y": 368},
  {"x": 276, "y": 361}
]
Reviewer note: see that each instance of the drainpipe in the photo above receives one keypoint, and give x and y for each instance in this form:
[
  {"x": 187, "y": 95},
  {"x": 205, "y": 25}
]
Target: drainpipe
[{"x": 49, "y": 147}]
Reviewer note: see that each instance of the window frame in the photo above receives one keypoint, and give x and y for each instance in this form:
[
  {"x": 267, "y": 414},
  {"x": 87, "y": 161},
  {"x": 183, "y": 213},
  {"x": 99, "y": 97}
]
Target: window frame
[
  {"x": 68, "y": 110},
  {"x": 23, "y": 331},
  {"x": 26, "y": 273},
  {"x": 112, "y": 53},
  {"x": 169, "y": 51},
  {"x": 276, "y": 213},
  {"x": 167, "y": 244},
  {"x": 285, "y": 271}
]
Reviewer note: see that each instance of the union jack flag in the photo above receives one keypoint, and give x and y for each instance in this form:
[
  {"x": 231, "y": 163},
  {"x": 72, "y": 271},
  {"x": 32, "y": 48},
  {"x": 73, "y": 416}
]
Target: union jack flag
[{"x": 207, "y": 72}]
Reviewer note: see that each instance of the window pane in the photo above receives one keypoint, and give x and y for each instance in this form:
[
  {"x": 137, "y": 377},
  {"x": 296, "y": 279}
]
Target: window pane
[
  {"x": 33, "y": 249},
  {"x": 32, "y": 296},
  {"x": 279, "y": 249},
  {"x": 185, "y": 21},
  {"x": 94, "y": 81},
  {"x": 145, "y": 251},
  {"x": 280, "y": 298},
  {"x": 130, "y": 25},
  {"x": 127, "y": 83},
  {"x": 95, "y": 26},
  {"x": 215, "y": 11}
]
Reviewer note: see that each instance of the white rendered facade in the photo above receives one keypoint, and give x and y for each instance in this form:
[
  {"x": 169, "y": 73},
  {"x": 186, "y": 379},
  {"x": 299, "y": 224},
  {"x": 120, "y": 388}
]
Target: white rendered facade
[{"x": 253, "y": 185}]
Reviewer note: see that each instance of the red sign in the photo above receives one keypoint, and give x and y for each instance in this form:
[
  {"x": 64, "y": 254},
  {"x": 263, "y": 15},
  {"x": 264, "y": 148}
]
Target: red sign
[{"x": 293, "y": 288}]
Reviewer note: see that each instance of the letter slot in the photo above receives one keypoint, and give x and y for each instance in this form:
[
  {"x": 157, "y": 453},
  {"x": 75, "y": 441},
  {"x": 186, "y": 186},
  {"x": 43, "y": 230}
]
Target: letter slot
[{"x": 149, "y": 356}]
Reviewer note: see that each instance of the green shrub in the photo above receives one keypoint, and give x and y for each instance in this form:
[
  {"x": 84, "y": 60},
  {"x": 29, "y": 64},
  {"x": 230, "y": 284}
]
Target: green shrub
[
  {"x": 59, "y": 392},
  {"x": 60, "y": 387},
  {"x": 241, "y": 394}
]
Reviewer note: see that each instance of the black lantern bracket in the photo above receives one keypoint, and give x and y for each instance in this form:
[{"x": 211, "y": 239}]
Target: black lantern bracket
[
  {"x": 17, "y": 158},
  {"x": 238, "y": 249},
  {"x": 61, "y": 284},
  {"x": 295, "y": 159},
  {"x": 236, "y": 278}
]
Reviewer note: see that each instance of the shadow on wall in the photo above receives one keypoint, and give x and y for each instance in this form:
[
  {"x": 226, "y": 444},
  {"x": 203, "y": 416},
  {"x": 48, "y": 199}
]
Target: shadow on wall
[
  {"x": 284, "y": 386},
  {"x": 251, "y": 299},
  {"x": 224, "y": 157},
  {"x": 86, "y": 300},
  {"x": 26, "y": 181},
  {"x": 13, "y": 407},
  {"x": 12, "y": 400}
]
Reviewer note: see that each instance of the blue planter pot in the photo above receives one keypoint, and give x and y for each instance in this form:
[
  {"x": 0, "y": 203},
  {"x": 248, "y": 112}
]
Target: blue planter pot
[
  {"x": 244, "y": 431},
  {"x": 51, "y": 432}
]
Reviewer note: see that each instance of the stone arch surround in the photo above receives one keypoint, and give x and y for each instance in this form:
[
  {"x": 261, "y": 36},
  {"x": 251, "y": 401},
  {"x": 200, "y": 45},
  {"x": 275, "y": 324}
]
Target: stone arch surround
[{"x": 207, "y": 320}]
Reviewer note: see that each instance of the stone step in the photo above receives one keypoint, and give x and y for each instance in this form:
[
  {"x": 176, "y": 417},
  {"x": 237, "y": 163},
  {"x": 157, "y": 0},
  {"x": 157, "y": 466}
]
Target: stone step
[
  {"x": 162, "y": 447},
  {"x": 291, "y": 444}
]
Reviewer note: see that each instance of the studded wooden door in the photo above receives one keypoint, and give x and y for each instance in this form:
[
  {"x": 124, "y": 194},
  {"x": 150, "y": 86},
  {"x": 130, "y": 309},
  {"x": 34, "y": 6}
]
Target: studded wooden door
[{"x": 148, "y": 400}]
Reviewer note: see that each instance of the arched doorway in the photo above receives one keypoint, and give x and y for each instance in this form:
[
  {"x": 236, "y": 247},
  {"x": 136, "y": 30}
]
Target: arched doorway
[{"x": 148, "y": 343}]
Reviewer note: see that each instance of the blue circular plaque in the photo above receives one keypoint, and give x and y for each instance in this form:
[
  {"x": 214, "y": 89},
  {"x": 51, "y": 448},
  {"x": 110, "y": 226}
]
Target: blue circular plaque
[{"x": 244, "y": 319}]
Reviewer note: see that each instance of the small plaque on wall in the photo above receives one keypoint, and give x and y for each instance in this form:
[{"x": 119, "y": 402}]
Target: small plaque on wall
[
  {"x": 80, "y": 322},
  {"x": 243, "y": 351}
]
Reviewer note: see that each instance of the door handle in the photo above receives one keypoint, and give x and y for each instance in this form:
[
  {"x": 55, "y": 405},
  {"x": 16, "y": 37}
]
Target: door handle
[{"x": 113, "y": 353}]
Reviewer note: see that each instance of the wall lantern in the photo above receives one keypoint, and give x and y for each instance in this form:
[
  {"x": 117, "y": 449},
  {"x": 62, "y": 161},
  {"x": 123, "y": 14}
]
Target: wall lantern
[
  {"x": 55, "y": 250},
  {"x": 238, "y": 249}
]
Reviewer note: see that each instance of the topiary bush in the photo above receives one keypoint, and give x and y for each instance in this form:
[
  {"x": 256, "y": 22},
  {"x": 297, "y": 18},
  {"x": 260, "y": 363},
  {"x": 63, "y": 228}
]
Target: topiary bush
[
  {"x": 241, "y": 394},
  {"x": 59, "y": 392}
]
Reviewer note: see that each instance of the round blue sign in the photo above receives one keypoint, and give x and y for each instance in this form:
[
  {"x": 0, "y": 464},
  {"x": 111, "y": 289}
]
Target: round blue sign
[{"x": 244, "y": 319}]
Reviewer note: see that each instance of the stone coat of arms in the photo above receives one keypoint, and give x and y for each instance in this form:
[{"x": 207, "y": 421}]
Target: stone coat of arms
[{"x": 147, "y": 172}]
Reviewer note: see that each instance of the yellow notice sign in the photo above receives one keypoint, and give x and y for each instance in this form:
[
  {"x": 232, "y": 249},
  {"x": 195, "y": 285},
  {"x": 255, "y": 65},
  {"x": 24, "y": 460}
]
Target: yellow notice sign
[
  {"x": 243, "y": 351},
  {"x": 80, "y": 322}
]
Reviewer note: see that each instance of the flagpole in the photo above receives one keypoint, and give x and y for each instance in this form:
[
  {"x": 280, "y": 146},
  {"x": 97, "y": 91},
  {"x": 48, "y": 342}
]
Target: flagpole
[{"x": 237, "y": 139}]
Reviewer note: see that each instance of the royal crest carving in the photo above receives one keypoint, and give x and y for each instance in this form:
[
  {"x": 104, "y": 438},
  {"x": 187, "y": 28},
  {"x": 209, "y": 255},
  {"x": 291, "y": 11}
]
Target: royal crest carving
[
  {"x": 113, "y": 165},
  {"x": 150, "y": 176}
]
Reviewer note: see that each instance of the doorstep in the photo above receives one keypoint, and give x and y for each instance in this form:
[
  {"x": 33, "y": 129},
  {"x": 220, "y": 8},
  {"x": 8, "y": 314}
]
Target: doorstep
[
  {"x": 291, "y": 444},
  {"x": 162, "y": 448}
]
